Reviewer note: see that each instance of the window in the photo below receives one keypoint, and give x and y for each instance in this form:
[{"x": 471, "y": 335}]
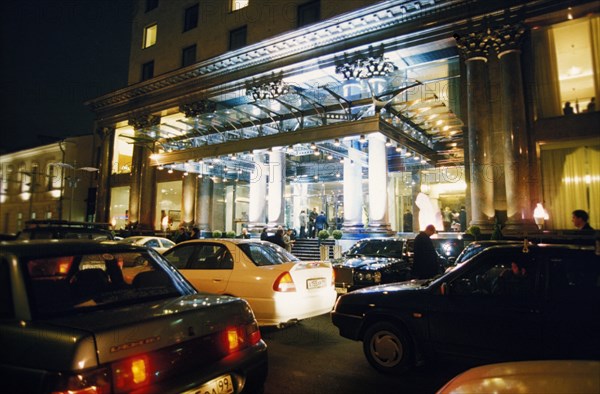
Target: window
[
  {"x": 237, "y": 38},
  {"x": 574, "y": 276},
  {"x": 150, "y": 36},
  {"x": 239, "y": 4},
  {"x": 309, "y": 13},
  {"x": 190, "y": 19},
  {"x": 148, "y": 70},
  {"x": 151, "y": 4},
  {"x": 188, "y": 55}
]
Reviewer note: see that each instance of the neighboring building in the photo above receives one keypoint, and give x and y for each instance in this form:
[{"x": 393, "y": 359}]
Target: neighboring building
[
  {"x": 246, "y": 112},
  {"x": 54, "y": 181}
]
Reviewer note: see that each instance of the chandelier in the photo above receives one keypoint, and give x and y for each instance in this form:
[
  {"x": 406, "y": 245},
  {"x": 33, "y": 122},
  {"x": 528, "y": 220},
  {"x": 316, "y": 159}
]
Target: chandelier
[
  {"x": 365, "y": 68},
  {"x": 269, "y": 90}
]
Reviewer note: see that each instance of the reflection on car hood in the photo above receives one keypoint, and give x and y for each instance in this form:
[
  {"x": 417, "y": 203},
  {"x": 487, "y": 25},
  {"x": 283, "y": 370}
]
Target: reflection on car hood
[
  {"x": 365, "y": 262},
  {"x": 393, "y": 287}
]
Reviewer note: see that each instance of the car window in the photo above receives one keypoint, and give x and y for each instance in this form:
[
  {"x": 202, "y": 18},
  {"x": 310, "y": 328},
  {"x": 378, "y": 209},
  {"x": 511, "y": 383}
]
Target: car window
[
  {"x": 378, "y": 248},
  {"x": 166, "y": 243},
  {"x": 499, "y": 274},
  {"x": 6, "y": 299},
  {"x": 574, "y": 275},
  {"x": 180, "y": 256},
  {"x": 211, "y": 256},
  {"x": 72, "y": 283},
  {"x": 153, "y": 243},
  {"x": 263, "y": 254}
]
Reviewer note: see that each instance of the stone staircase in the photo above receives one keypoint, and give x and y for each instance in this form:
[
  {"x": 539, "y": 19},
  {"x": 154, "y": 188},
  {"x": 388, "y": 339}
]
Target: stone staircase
[{"x": 308, "y": 249}]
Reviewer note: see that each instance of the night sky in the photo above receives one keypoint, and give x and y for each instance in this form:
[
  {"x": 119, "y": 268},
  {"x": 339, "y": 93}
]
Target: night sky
[{"x": 55, "y": 55}]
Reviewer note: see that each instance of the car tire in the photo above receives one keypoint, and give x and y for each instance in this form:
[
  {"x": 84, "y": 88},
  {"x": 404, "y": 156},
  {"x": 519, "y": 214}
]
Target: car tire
[{"x": 388, "y": 348}]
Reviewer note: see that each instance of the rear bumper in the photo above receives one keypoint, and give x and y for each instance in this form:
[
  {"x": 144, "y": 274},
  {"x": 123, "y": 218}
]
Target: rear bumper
[
  {"x": 247, "y": 368},
  {"x": 287, "y": 307}
]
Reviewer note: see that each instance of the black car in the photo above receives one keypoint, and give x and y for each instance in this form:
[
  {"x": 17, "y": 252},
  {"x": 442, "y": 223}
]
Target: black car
[
  {"x": 507, "y": 302},
  {"x": 371, "y": 262},
  {"x": 64, "y": 229},
  {"x": 103, "y": 317},
  {"x": 447, "y": 245}
]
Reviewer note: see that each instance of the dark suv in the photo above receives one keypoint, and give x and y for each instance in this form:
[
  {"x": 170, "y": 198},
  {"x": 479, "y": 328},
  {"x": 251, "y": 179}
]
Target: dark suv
[
  {"x": 507, "y": 302},
  {"x": 62, "y": 229}
]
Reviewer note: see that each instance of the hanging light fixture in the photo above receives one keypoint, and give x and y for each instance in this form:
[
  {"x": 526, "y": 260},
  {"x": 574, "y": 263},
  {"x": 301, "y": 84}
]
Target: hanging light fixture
[{"x": 362, "y": 138}]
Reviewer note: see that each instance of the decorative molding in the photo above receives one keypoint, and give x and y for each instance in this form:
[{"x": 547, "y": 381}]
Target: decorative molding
[
  {"x": 269, "y": 90},
  {"x": 474, "y": 45},
  {"x": 197, "y": 108},
  {"x": 364, "y": 68},
  {"x": 508, "y": 38}
]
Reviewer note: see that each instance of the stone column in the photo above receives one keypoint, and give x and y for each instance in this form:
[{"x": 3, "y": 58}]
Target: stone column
[
  {"x": 107, "y": 136},
  {"x": 143, "y": 180},
  {"x": 516, "y": 146},
  {"x": 353, "y": 194},
  {"x": 258, "y": 194},
  {"x": 203, "y": 214},
  {"x": 188, "y": 198},
  {"x": 472, "y": 48},
  {"x": 378, "y": 201},
  {"x": 276, "y": 205}
]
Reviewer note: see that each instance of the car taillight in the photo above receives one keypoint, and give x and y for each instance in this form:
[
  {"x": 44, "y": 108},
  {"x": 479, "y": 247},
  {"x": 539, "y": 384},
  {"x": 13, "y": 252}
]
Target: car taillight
[
  {"x": 284, "y": 283},
  {"x": 237, "y": 338},
  {"x": 131, "y": 373},
  {"x": 96, "y": 381}
]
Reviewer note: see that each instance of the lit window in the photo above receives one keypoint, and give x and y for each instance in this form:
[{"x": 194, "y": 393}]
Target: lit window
[
  {"x": 150, "y": 35},
  {"x": 239, "y": 4}
]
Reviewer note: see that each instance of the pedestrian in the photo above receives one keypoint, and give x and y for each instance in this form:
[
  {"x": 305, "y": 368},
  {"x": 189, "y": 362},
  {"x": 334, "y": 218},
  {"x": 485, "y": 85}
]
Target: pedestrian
[
  {"x": 447, "y": 218},
  {"x": 580, "y": 220},
  {"x": 302, "y": 219},
  {"x": 425, "y": 261},
  {"x": 195, "y": 234},
  {"x": 591, "y": 107},
  {"x": 287, "y": 240},
  {"x": 462, "y": 218},
  {"x": 182, "y": 235},
  {"x": 277, "y": 238},
  {"x": 408, "y": 222},
  {"x": 264, "y": 234},
  {"x": 312, "y": 217},
  {"x": 320, "y": 222},
  {"x": 568, "y": 110},
  {"x": 245, "y": 234}
]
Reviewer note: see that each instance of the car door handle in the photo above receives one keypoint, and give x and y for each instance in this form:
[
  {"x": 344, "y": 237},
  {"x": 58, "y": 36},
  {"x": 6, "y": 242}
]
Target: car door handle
[{"x": 217, "y": 280}]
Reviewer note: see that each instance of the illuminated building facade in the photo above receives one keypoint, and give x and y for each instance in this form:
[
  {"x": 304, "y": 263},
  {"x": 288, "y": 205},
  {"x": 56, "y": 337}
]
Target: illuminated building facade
[{"x": 244, "y": 113}]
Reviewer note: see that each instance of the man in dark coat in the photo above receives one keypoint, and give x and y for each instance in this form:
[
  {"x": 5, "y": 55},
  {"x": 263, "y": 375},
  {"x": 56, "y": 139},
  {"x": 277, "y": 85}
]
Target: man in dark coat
[
  {"x": 277, "y": 239},
  {"x": 425, "y": 263}
]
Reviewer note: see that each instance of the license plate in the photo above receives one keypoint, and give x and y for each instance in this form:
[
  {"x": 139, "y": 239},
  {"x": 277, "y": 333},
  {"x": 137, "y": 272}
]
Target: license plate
[
  {"x": 316, "y": 283},
  {"x": 220, "y": 385}
]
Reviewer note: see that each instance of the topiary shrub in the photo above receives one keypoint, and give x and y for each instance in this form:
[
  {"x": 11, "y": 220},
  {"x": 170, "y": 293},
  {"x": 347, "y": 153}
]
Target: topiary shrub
[
  {"x": 230, "y": 234},
  {"x": 323, "y": 234},
  {"x": 337, "y": 234},
  {"x": 475, "y": 231},
  {"x": 217, "y": 234}
]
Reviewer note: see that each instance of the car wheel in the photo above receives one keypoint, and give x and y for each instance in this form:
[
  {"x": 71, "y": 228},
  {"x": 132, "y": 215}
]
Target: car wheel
[{"x": 388, "y": 348}]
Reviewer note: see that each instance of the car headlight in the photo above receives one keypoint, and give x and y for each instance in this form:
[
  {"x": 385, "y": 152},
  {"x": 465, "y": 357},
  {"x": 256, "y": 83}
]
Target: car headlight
[{"x": 377, "y": 277}]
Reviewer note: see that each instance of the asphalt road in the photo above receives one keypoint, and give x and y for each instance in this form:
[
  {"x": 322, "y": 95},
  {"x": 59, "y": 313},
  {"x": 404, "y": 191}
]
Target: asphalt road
[{"x": 311, "y": 358}]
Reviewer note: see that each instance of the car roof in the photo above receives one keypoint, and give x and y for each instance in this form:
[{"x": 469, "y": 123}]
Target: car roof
[{"x": 44, "y": 247}]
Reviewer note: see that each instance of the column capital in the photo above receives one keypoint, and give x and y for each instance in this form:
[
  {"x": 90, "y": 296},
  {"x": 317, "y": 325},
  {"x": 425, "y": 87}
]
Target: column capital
[
  {"x": 191, "y": 110},
  {"x": 508, "y": 38},
  {"x": 144, "y": 121},
  {"x": 473, "y": 46}
]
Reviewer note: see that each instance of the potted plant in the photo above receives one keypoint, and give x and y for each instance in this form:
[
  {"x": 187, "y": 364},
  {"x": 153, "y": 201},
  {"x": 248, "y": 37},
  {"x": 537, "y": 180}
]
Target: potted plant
[
  {"x": 217, "y": 234},
  {"x": 230, "y": 234},
  {"x": 323, "y": 235},
  {"x": 475, "y": 231},
  {"x": 337, "y": 249},
  {"x": 323, "y": 249},
  {"x": 337, "y": 234}
]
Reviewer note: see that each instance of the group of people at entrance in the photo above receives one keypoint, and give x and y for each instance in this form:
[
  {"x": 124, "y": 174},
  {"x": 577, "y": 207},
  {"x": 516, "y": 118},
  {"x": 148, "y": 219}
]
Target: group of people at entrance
[{"x": 312, "y": 223}]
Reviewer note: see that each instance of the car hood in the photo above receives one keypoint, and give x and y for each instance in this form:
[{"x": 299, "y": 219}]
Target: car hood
[
  {"x": 394, "y": 287},
  {"x": 366, "y": 262},
  {"x": 125, "y": 331}
]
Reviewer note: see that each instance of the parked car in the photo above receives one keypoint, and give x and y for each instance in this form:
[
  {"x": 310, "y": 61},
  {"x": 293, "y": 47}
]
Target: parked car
[
  {"x": 69, "y": 323},
  {"x": 160, "y": 244},
  {"x": 540, "y": 376},
  {"x": 482, "y": 310},
  {"x": 372, "y": 261},
  {"x": 280, "y": 288},
  {"x": 64, "y": 229},
  {"x": 447, "y": 245}
]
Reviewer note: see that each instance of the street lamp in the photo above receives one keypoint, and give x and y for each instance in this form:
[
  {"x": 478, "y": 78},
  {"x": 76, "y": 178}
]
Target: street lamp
[{"x": 72, "y": 181}]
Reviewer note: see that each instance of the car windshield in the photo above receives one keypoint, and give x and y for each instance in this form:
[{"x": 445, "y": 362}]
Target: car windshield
[
  {"x": 71, "y": 283},
  {"x": 468, "y": 252},
  {"x": 264, "y": 254},
  {"x": 377, "y": 249}
]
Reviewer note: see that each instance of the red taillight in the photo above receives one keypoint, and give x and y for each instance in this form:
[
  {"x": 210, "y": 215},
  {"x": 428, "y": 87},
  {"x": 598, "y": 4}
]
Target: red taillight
[
  {"x": 237, "y": 338},
  {"x": 284, "y": 283},
  {"x": 96, "y": 381},
  {"x": 131, "y": 373}
]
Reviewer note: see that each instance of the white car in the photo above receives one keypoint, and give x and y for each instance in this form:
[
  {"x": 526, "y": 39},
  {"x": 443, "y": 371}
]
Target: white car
[
  {"x": 278, "y": 286},
  {"x": 159, "y": 244}
]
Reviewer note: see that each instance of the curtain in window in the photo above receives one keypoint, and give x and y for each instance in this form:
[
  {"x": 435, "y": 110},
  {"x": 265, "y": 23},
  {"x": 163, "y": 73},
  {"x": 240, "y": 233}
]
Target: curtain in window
[
  {"x": 571, "y": 180},
  {"x": 547, "y": 93},
  {"x": 595, "y": 41}
]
